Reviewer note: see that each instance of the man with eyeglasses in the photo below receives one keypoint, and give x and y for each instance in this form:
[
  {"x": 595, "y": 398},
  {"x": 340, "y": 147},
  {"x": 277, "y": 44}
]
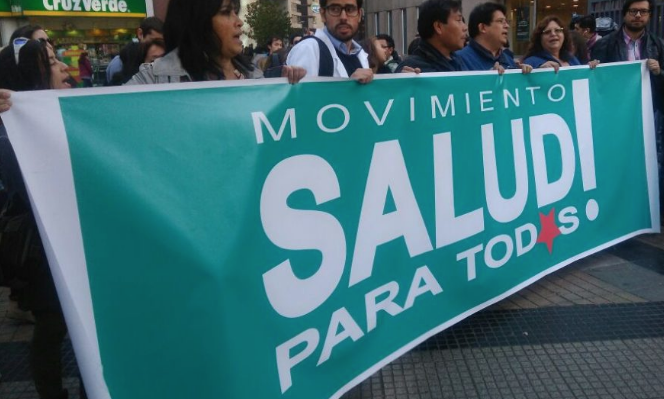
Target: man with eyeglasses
[
  {"x": 443, "y": 32},
  {"x": 489, "y": 29},
  {"x": 332, "y": 51},
  {"x": 635, "y": 42}
]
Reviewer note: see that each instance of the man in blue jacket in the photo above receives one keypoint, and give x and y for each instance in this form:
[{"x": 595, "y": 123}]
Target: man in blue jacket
[{"x": 489, "y": 29}]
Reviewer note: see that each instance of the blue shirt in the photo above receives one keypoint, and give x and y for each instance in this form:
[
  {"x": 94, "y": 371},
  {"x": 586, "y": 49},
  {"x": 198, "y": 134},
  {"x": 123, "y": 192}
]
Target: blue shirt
[
  {"x": 477, "y": 58},
  {"x": 340, "y": 46}
]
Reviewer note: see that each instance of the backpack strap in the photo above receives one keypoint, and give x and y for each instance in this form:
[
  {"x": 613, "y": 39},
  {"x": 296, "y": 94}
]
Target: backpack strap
[{"x": 326, "y": 62}]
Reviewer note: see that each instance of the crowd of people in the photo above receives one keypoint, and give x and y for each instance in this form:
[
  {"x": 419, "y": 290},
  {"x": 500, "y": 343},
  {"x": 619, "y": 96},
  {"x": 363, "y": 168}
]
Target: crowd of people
[{"x": 201, "y": 41}]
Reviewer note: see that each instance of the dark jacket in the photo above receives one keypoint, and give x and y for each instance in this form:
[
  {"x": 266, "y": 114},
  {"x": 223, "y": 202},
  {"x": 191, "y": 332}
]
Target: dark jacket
[
  {"x": 429, "y": 59},
  {"x": 536, "y": 60},
  {"x": 38, "y": 292},
  {"x": 477, "y": 58},
  {"x": 612, "y": 48}
]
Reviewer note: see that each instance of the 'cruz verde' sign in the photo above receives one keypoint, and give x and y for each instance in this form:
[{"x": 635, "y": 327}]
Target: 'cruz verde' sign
[
  {"x": 88, "y": 8},
  {"x": 271, "y": 241}
]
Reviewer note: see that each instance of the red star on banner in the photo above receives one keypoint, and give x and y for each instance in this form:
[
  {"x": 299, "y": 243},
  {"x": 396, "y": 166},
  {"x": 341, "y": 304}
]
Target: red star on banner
[{"x": 549, "y": 229}]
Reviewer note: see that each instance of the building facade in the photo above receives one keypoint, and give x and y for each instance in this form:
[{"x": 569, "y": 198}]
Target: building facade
[
  {"x": 398, "y": 18},
  {"x": 304, "y": 14}
]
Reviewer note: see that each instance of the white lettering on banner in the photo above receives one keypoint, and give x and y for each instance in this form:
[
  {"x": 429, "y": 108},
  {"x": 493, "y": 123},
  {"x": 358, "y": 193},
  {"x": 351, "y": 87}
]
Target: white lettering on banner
[
  {"x": 296, "y": 229},
  {"x": 87, "y": 5},
  {"x": 260, "y": 119},
  {"x": 342, "y": 325},
  {"x": 388, "y": 175}
]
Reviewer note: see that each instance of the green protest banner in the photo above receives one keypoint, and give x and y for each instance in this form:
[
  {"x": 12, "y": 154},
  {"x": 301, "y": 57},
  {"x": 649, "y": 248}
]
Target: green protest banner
[
  {"x": 258, "y": 240},
  {"x": 83, "y": 8}
]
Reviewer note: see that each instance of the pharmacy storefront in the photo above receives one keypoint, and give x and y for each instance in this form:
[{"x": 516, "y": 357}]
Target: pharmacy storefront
[{"x": 100, "y": 27}]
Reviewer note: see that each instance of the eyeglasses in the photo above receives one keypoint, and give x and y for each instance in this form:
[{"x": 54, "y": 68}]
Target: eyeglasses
[
  {"x": 18, "y": 43},
  {"x": 553, "y": 31},
  {"x": 335, "y": 10},
  {"x": 642, "y": 11},
  {"x": 502, "y": 21}
]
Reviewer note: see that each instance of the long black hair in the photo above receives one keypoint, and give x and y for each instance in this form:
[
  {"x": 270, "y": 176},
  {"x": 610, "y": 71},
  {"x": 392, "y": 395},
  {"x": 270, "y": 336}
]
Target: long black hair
[
  {"x": 33, "y": 71},
  {"x": 188, "y": 27}
]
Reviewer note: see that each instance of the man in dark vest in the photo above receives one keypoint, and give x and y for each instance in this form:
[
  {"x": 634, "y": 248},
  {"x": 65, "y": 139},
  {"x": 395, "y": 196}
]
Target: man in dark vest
[{"x": 332, "y": 50}]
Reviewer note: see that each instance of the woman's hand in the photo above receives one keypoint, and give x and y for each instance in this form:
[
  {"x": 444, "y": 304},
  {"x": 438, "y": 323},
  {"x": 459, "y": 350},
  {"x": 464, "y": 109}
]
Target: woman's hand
[
  {"x": 499, "y": 68},
  {"x": 551, "y": 64},
  {"x": 408, "y": 69},
  {"x": 593, "y": 64},
  {"x": 293, "y": 73},
  {"x": 5, "y": 100}
]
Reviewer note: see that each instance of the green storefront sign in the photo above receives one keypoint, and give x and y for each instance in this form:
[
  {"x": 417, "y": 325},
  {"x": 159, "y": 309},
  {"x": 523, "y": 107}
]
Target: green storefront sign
[
  {"x": 84, "y": 8},
  {"x": 5, "y": 8}
]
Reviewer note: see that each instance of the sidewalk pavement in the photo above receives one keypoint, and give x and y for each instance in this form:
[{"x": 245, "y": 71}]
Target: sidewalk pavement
[{"x": 594, "y": 329}]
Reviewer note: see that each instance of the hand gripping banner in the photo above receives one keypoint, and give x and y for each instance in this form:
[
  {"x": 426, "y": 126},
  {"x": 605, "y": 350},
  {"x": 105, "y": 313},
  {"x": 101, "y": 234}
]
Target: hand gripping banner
[{"x": 261, "y": 240}]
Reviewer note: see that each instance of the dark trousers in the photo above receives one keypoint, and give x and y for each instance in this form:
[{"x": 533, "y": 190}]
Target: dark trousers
[{"x": 46, "y": 354}]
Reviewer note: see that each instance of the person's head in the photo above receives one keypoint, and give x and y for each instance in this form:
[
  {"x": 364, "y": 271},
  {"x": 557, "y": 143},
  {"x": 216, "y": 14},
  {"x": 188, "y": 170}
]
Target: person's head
[
  {"x": 376, "y": 52},
  {"x": 414, "y": 44},
  {"x": 295, "y": 38},
  {"x": 34, "y": 32},
  {"x": 274, "y": 44},
  {"x": 37, "y": 67},
  {"x": 387, "y": 42},
  {"x": 342, "y": 18},
  {"x": 636, "y": 14},
  {"x": 83, "y": 55},
  {"x": 152, "y": 49},
  {"x": 586, "y": 26},
  {"x": 442, "y": 25},
  {"x": 488, "y": 24},
  {"x": 151, "y": 28},
  {"x": 550, "y": 36},
  {"x": 206, "y": 32}
]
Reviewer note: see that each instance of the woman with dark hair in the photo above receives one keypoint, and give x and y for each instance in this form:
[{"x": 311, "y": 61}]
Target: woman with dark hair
[
  {"x": 31, "y": 65},
  {"x": 34, "y": 32},
  {"x": 203, "y": 43},
  {"x": 377, "y": 55},
  {"x": 550, "y": 46},
  {"x": 85, "y": 69},
  {"x": 151, "y": 50},
  {"x": 579, "y": 47}
]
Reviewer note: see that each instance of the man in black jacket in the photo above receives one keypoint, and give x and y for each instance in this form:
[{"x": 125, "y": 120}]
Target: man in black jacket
[
  {"x": 634, "y": 42},
  {"x": 443, "y": 31}
]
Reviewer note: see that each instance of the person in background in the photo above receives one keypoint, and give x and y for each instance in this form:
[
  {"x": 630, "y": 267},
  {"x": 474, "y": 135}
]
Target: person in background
[
  {"x": 387, "y": 43},
  {"x": 203, "y": 44},
  {"x": 295, "y": 39},
  {"x": 579, "y": 47},
  {"x": 443, "y": 32},
  {"x": 85, "y": 69},
  {"x": 587, "y": 27},
  {"x": 36, "y": 69},
  {"x": 273, "y": 46},
  {"x": 377, "y": 55},
  {"x": 150, "y": 28},
  {"x": 34, "y": 32},
  {"x": 151, "y": 50}
]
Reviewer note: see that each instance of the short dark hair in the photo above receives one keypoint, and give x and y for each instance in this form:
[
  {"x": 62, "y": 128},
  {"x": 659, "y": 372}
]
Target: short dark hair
[
  {"x": 273, "y": 39},
  {"x": 588, "y": 22},
  {"x": 188, "y": 28},
  {"x": 388, "y": 39},
  {"x": 432, "y": 11},
  {"x": 323, "y": 3},
  {"x": 628, "y": 4},
  {"x": 483, "y": 14},
  {"x": 152, "y": 24}
]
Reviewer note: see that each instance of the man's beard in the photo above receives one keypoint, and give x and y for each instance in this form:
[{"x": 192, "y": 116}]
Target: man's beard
[{"x": 635, "y": 29}]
